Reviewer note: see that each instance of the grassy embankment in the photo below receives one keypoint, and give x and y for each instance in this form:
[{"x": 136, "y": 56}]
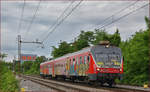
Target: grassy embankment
[{"x": 8, "y": 82}]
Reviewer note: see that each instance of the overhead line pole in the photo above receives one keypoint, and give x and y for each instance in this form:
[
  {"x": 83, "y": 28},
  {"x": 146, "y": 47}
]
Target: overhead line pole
[
  {"x": 19, "y": 49},
  {"x": 0, "y": 34}
]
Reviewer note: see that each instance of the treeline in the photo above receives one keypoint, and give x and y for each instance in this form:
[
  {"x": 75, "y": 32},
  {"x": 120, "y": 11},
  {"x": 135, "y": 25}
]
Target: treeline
[
  {"x": 31, "y": 67},
  {"x": 136, "y": 54},
  {"x": 8, "y": 82},
  {"x": 86, "y": 39}
]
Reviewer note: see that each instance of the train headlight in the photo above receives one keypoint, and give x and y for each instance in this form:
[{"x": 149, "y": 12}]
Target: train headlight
[
  {"x": 107, "y": 46},
  {"x": 98, "y": 69},
  {"x": 120, "y": 69}
]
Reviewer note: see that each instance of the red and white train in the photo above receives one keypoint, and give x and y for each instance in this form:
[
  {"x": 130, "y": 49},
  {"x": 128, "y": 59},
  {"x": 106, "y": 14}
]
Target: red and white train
[{"x": 100, "y": 63}]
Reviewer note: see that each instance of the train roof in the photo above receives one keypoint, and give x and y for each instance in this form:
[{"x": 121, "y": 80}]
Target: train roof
[
  {"x": 70, "y": 54},
  {"x": 77, "y": 52}
]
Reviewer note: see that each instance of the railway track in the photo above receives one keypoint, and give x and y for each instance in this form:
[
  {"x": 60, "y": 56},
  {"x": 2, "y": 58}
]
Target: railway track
[{"x": 67, "y": 86}]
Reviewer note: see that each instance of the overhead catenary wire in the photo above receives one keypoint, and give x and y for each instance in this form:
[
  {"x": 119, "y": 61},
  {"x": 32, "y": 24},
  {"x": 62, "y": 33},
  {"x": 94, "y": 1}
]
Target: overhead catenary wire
[
  {"x": 21, "y": 18},
  {"x": 110, "y": 16},
  {"x": 124, "y": 16},
  {"x": 59, "y": 17},
  {"x": 104, "y": 21},
  {"x": 62, "y": 14},
  {"x": 127, "y": 14},
  {"x": 33, "y": 18},
  {"x": 61, "y": 21}
]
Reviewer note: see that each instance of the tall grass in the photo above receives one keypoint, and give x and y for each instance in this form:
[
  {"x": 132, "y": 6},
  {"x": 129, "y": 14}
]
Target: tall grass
[{"x": 8, "y": 82}]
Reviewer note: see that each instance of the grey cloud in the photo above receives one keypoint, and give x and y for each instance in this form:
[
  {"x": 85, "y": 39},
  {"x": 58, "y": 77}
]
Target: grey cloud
[{"x": 88, "y": 15}]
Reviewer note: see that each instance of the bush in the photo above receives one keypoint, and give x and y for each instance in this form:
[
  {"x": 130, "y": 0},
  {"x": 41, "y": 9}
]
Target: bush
[{"x": 8, "y": 83}]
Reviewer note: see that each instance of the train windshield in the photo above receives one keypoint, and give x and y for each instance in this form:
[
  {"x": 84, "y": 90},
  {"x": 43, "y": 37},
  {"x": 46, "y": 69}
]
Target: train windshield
[{"x": 107, "y": 57}]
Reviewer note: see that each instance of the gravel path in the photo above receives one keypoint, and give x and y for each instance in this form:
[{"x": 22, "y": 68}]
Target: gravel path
[{"x": 30, "y": 86}]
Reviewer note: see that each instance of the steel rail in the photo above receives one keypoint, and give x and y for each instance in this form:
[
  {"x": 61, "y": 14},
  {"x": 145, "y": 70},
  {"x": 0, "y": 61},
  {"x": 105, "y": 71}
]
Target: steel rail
[{"x": 62, "y": 85}]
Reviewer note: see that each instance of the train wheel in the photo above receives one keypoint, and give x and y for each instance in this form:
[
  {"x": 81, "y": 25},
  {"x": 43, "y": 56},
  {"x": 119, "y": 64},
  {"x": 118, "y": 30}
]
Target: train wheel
[
  {"x": 111, "y": 82},
  {"x": 89, "y": 83},
  {"x": 101, "y": 83}
]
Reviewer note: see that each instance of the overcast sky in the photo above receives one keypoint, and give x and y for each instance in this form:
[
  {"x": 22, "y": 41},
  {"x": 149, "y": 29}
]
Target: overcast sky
[{"x": 87, "y": 16}]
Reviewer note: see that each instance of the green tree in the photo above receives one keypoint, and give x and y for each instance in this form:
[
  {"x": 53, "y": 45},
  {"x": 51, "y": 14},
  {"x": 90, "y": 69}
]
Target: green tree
[
  {"x": 3, "y": 55},
  {"x": 83, "y": 40},
  {"x": 27, "y": 65},
  {"x": 62, "y": 49},
  {"x": 136, "y": 54},
  {"x": 115, "y": 39},
  {"x": 100, "y": 35},
  {"x": 147, "y": 22},
  {"x": 32, "y": 67}
]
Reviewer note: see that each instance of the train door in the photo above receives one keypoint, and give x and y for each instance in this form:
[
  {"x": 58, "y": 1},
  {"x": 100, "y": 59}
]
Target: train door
[
  {"x": 88, "y": 62},
  {"x": 80, "y": 67},
  {"x": 84, "y": 65},
  {"x": 49, "y": 67},
  {"x": 67, "y": 67},
  {"x": 53, "y": 66},
  {"x": 77, "y": 66},
  {"x": 73, "y": 66}
]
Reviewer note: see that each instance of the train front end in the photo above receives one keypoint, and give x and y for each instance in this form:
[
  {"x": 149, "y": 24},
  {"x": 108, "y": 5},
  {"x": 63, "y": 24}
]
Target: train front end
[{"x": 109, "y": 63}]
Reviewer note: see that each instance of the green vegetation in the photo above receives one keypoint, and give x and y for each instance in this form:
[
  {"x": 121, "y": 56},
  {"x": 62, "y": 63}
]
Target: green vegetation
[
  {"x": 32, "y": 67},
  {"x": 86, "y": 39},
  {"x": 136, "y": 54},
  {"x": 3, "y": 55},
  {"x": 8, "y": 82}
]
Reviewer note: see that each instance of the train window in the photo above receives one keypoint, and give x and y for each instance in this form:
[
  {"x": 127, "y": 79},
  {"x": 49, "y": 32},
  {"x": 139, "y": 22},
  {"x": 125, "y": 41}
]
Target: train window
[
  {"x": 77, "y": 60},
  {"x": 81, "y": 60},
  {"x": 73, "y": 61},
  {"x": 84, "y": 59},
  {"x": 88, "y": 58}
]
